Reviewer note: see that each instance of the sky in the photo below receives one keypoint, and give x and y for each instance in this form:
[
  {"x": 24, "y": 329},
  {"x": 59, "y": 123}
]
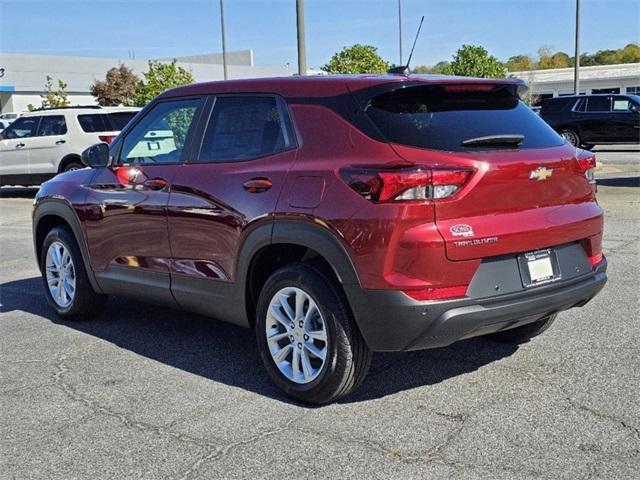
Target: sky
[{"x": 167, "y": 28}]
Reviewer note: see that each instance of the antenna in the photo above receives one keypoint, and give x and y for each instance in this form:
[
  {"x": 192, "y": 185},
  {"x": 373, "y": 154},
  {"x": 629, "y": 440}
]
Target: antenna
[{"x": 404, "y": 69}]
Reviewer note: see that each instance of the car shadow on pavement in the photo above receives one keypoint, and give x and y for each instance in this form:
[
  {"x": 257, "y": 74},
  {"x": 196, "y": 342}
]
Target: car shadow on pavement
[
  {"x": 18, "y": 192},
  {"x": 619, "y": 182},
  {"x": 228, "y": 354}
]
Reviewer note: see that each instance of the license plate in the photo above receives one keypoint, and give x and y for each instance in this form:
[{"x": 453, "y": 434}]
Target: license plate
[{"x": 539, "y": 267}]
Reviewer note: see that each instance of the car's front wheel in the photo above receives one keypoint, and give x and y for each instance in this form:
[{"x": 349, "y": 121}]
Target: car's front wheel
[
  {"x": 310, "y": 345},
  {"x": 71, "y": 166},
  {"x": 570, "y": 136},
  {"x": 66, "y": 284}
]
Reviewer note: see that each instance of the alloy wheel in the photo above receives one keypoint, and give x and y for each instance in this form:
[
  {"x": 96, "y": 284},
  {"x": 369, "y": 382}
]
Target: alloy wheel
[
  {"x": 296, "y": 335},
  {"x": 61, "y": 274}
]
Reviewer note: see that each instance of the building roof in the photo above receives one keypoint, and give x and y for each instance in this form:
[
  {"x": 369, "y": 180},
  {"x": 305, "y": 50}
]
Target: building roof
[{"x": 598, "y": 72}]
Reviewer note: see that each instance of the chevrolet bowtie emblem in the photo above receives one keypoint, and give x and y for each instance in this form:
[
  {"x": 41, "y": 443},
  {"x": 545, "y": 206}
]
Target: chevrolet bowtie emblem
[{"x": 540, "y": 173}]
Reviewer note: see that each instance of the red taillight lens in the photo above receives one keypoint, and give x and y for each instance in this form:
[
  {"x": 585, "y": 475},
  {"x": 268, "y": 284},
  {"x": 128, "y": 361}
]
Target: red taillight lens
[
  {"x": 587, "y": 165},
  {"x": 595, "y": 259},
  {"x": 442, "y": 293},
  {"x": 106, "y": 138},
  {"x": 405, "y": 184}
]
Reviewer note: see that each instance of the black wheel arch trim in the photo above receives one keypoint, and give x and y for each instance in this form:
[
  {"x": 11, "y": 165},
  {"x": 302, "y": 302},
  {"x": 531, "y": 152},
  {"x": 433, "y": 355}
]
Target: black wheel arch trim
[
  {"x": 61, "y": 208},
  {"x": 69, "y": 158}
]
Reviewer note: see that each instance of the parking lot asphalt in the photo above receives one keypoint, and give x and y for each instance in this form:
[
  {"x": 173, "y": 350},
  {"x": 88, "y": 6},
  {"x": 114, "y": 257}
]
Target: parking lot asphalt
[{"x": 148, "y": 392}]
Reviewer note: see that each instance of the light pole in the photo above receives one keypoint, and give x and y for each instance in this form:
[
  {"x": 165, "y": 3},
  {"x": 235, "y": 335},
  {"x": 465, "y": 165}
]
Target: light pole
[
  {"x": 400, "y": 29},
  {"x": 224, "y": 42},
  {"x": 302, "y": 50},
  {"x": 576, "y": 72}
]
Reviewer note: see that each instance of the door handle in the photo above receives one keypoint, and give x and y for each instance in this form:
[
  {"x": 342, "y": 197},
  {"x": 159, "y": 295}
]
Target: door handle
[
  {"x": 155, "y": 183},
  {"x": 60, "y": 142},
  {"x": 257, "y": 185},
  {"x": 20, "y": 145}
]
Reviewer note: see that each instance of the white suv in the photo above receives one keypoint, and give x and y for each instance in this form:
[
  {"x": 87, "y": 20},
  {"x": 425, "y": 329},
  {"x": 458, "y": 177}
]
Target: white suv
[{"x": 40, "y": 144}]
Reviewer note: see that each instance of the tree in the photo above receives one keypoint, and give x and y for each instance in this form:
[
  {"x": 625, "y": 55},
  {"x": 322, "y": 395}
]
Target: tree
[
  {"x": 520, "y": 63},
  {"x": 54, "y": 98},
  {"x": 475, "y": 61},
  {"x": 357, "y": 59},
  {"x": 118, "y": 87},
  {"x": 549, "y": 60},
  {"x": 439, "y": 67},
  {"x": 160, "y": 77}
]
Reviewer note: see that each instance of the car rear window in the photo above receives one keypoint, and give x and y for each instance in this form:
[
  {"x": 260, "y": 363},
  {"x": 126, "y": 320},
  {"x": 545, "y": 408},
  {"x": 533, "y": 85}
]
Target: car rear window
[
  {"x": 104, "y": 122},
  {"x": 432, "y": 117}
]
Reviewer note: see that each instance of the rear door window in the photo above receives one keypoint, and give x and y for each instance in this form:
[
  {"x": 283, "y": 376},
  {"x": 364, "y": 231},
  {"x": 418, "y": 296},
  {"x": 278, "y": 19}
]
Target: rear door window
[
  {"x": 245, "y": 127},
  {"x": 52, "y": 125},
  {"x": 598, "y": 104},
  {"x": 432, "y": 117}
]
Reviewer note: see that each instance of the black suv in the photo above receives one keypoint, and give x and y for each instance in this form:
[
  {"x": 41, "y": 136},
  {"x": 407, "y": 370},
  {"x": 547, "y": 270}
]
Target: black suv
[{"x": 587, "y": 120}]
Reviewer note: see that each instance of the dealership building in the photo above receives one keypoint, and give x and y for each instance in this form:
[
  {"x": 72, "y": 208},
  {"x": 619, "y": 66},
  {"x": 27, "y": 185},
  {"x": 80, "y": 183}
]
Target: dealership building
[
  {"x": 622, "y": 78},
  {"x": 22, "y": 76}
]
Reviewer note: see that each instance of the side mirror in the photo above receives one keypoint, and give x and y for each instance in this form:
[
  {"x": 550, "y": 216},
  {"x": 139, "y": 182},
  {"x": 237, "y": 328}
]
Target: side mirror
[{"x": 96, "y": 156}]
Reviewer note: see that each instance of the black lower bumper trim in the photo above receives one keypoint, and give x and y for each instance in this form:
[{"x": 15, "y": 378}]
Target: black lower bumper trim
[{"x": 391, "y": 321}]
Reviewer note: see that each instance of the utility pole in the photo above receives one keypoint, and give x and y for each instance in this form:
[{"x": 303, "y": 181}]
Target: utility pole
[
  {"x": 224, "y": 42},
  {"x": 576, "y": 72},
  {"x": 302, "y": 50},
  {"x": 400, "y": 29}
]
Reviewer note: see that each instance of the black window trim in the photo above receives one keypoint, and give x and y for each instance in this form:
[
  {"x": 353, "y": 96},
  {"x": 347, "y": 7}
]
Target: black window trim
[
  {"x": 598, "y": 112},
  {"x": 283, "y": 110},
  {"x": 186, "y": 151}
]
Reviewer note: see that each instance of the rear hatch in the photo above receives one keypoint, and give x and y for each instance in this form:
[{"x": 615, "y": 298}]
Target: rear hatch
[{"x": 527, "y": 191}]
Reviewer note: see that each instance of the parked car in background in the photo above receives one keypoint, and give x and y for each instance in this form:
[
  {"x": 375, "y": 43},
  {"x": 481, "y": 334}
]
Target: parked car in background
[
  {"x": 588, "y": 120},
  {"x": 9, "y": 116},
  {"x": 335, "y": 215},
  {"x": 45, "y": 142}
]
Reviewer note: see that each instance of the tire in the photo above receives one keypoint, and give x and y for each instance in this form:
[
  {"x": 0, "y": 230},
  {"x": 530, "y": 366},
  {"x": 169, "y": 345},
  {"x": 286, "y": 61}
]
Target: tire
[
  {"x": 524, "y": 333},
  {"x": 571, "y": 136},
  {"x": 74, "y": 165},
  {"x": 587, "y": 146},
  {"x": 345, "y": 357},
  {"x": 72, "y": 300}
]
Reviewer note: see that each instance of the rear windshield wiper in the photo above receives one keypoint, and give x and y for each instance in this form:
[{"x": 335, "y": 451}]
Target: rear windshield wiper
[{"x": 494, "y": 141}]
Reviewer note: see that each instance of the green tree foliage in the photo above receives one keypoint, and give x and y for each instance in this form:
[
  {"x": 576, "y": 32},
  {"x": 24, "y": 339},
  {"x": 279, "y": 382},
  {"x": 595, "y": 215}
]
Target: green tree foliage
[
  {"x": 520, "y": 63},
  {"x": 160, "y": 77},
  {"x": 54, "y": 98},
  {"x": 357, "y": 59},
  {"x": 548, "y": 60},
  {"x": 475, "y": 61},
  {"x": 118, "y": 87},
  {"x": 438, "y": 68}
]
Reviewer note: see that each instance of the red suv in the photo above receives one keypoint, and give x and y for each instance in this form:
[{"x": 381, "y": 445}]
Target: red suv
[{"x": 335, "y": 215}]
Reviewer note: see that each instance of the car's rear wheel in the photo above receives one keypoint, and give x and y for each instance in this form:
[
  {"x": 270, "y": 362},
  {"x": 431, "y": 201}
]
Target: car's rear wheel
[
  {"x": 66, "y": 284},
  {"x": 587, "y": 146},
  {"x": 524, "y": 333},
  {"x": 310, "y": 345},
  {"x": 570, "y": 136},
  {"x": 69, "y": 167}
]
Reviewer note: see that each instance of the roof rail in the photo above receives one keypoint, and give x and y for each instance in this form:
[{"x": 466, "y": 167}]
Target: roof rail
[{"x": 93, "y": 107}]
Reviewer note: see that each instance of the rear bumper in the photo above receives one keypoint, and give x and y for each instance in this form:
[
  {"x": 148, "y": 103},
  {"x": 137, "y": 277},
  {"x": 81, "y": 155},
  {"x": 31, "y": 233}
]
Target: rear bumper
[{"x": 391, "y": 321}]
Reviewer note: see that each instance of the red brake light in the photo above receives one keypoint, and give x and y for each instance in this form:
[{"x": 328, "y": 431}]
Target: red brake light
[
  {"x": 441, "y": 293},
  {"x": 595, "y": 259},
  {"x": 106, "y": 138},
  {"x": 587, "y": 164},
  {"x": 406, "y": 184},
  {"x": 469, "y": 87}
]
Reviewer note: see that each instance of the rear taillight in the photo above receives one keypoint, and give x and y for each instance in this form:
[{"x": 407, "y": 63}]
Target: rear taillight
[
  {"x": 106, "y": 138},
  {"x": 593, "y": 248},
  {"x": 587, "y": 165},
  {"x": 405, "y": 184}
]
